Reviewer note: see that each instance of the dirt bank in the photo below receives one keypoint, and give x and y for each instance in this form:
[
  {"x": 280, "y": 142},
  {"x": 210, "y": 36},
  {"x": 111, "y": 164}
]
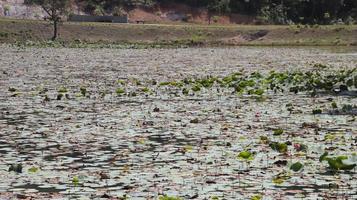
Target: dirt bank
[{"x": 12, "y": 31}]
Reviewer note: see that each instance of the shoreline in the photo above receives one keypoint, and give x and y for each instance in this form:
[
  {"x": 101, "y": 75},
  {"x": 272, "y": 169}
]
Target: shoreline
[{"x": 102, "y": 35}]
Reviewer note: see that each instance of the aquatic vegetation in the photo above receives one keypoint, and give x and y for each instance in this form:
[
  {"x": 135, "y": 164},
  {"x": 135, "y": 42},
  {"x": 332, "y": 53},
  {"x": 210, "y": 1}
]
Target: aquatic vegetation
[
  {"x": 188, "y": 148},
  {"x": 46, "y": 98},
  {"x": 334, "y": 105},
  {"x": 258, "y": 92},
  {"x": 185, "y": 91},
  {"x": 165, "y": 197},
  {"x": 246, "y": 155},
  {"x": 16, "y": 168},
  {"x": 348, "y": 107},
  {"x": 194, "y": 121},
  {"x": 281, "y": 163},
  {"x": 157, "y": 135},
  {"x": 83, "y": 91},
  {"x": 281, "y": 178},
  {"x": 278, "y": 131},
  {"x": 320, "y": 66},
  {"x": 337, "y": 163},
  {"x": 137, "y": 82},
  {"x": 264, "y": 139},
  {"x": 122, "y": 82},
  {"x": 257, "y": 197},
  {"x": 172, "y": 83},
  {"x": 33, "y": 169},
  {"x": 75, "y": 181},
  {"x": 279, "y": 147},
  {"x": 141, "y": 141},
  {"x": 11, "y": 89},
  {"x": 120, "y": 91},
  {"x": 59, "y": 96},
  {"x": 132, "y": 94},
  {"x": 62, "y": 90},
  {"x": 206, "y": 82},
  {"x": 316, "y": 111},
  {"x": 124, "y": 197},
  {"x": 296, "y": 166},
  {"x": 257, "y": 83},
  {"x": 165, "y": 83},
  {"x": 145, "y": 90},
  {"x": 196, "y": 88}
]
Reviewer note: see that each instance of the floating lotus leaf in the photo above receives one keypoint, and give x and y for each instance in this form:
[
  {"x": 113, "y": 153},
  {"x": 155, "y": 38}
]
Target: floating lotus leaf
[
  {"x": 280, "y": 147},
  {"x": 245, "y": 155},
  {"x": 33, "y": 169},
  {"x": 257, "y": 197},
  {"x": 165, "y": 197},
  {"x": 278, "y": 132},
  {"x": 296, "y": 166},
  {"x": 120, "y": 91},
  {"x": 75, "y": 181}
]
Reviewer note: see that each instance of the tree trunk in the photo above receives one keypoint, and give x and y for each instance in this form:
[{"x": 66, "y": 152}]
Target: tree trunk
[
  {"x": 55, "y": 30},
  {"x": 209, "y": 17},
  {"x": 313, "y": 12}
]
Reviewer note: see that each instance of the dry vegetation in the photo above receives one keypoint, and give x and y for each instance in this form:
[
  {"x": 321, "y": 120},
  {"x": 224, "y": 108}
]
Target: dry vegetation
[{"x": 12, "y": 31}]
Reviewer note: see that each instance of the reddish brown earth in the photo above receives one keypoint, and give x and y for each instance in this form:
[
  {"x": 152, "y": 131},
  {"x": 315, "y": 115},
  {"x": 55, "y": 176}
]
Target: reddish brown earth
[
  {"x": 164, "y": 13},
  {"x": 181, "y": 12}
]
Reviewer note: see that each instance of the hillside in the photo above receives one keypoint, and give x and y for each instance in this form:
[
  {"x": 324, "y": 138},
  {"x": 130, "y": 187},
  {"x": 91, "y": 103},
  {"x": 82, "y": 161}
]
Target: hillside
[
  {"x": 204, "y": 11},
  {"x": 161, "y": 13}
]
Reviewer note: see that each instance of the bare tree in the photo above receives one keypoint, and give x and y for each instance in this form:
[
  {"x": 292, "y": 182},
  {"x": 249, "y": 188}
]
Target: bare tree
[{"x": 55, "y": 10}]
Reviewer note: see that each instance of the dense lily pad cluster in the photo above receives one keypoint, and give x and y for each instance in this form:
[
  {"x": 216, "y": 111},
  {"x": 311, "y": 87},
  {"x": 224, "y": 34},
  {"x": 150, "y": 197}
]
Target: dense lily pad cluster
[{"x": 256, "y": 84}]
